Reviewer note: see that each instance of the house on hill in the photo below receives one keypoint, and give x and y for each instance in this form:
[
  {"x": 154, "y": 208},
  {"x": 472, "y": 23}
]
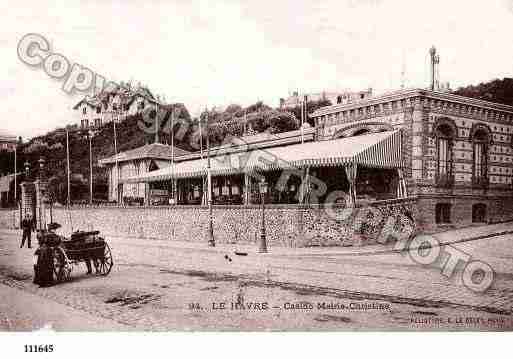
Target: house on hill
[
  {"x": 7, "y": 142},
  {"x": 113, "y": 104}
]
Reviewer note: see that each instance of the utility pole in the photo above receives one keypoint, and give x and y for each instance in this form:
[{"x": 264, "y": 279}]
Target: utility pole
[
  {"x": 68, "y": 168},
  {"x": 173, "y": 154},
  {"x": 173, "y": 135},
  {"x": 15, "y": 180},
  {"x": 304, "y": 107},
  {"x": 157, "y": 122},
  {"x": 15, "y": 171},
  {"x": 117, "y": 162},
  {"x": 90, "y": 167},
  {"x": 211, "y": 240}
]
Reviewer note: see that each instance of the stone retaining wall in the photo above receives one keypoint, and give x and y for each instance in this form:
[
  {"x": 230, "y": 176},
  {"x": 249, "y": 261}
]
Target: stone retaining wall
[{"x": 286, "y": 225}]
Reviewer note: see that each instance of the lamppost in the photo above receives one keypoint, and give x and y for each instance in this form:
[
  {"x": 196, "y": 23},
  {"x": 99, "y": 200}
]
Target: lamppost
[
  {"x": 27, "y": 170},
  {"x": 41, "y": 193},
  {"x": 41, "y": 167},
  {"x": 263, "y": 242}
]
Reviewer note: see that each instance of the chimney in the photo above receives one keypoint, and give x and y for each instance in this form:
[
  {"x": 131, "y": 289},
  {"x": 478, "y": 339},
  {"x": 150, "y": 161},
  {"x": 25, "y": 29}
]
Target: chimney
[{"x": 434, "y": 81}]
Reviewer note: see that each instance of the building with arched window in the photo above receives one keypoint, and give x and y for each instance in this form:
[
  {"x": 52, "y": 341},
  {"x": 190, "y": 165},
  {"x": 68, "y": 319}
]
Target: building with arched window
[
  {"x": 451, "y": 156},
  {"x": 459, "y": 151}
]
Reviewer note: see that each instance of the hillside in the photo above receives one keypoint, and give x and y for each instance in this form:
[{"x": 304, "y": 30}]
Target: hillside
[
  {"x": 500, "y": 91},
  {"x": 130, "y": 135},
  {"x": 233, "y": 120}
]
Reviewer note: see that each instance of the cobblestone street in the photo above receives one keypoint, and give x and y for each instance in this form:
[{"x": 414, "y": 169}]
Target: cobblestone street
[{"x": 166, "y": 285}]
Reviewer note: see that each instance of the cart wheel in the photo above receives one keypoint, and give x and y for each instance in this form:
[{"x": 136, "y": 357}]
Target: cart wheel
[
  {"x": 106, "y": 262},
  {"x": 61, "y": 265}
]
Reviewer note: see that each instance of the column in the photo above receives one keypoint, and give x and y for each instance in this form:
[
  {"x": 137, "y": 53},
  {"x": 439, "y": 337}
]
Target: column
[
  {"x": 401, "y": 185},
  {"x": 28, "y": 205},
  {"x": 40, "y": 189},
  {"x": 304, "y": 187},
  {"x": 147, "y": 193},
  {"x": 204, "y": 194},
  {"x": 246, "y": 189},
  {"x": 351, "y": 178},
  {"x": 173, "y": 190}
]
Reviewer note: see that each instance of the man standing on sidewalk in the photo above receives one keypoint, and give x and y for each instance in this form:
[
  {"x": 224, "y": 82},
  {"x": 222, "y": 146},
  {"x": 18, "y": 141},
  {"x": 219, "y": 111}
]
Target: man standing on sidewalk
[{"x": 27, "y": 225}]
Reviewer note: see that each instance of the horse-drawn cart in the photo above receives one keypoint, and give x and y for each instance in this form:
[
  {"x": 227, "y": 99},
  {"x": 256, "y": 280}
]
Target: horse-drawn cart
[{"x": 87, "y": 247}]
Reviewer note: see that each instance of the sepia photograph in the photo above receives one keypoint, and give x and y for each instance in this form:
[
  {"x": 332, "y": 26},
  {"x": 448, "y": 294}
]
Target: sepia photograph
[{"x": 255, "y": 166}]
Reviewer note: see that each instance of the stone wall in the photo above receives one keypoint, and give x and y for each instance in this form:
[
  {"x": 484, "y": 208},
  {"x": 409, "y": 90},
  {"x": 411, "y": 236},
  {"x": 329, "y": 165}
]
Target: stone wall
[{"x": 286, "y": 225}]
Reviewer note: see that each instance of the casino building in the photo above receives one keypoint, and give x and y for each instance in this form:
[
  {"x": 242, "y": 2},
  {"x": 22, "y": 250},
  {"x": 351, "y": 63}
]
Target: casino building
[
  {"x": 458, "y": 151},
  {"x": 451, "y": 155},
  {"x": 442, "y": 159}
]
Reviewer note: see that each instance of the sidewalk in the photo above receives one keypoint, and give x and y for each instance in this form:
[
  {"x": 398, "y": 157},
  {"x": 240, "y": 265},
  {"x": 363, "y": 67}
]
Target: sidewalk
[
  {"x": 46, "y": 314},
  {"x": 444, "y": 238},
  {"x": 184, "y": 272}
]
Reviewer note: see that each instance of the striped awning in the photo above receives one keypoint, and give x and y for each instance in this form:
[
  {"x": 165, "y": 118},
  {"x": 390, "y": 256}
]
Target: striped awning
[{"x": 377, "y": 150}]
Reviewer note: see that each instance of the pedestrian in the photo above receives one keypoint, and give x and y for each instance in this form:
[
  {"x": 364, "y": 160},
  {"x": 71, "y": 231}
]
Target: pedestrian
[
  {"x": 43, "y": 270},
  {"x": 27, "y": 225}
]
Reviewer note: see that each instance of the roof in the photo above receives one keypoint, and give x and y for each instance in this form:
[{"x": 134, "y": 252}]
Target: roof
[
  {"x": 407, "y": 93},
  {"x": 151, "y": 151},
  {"x": 93, "y": 102},
  {"x": 7, "y": 138},
  {"x": 260, "y": 140},
  {"x": 130, "y": 94},
  {"x": 379, "y": 150}
]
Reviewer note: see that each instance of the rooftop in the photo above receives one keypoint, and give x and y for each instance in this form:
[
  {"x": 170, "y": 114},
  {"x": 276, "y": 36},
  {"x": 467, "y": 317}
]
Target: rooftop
[
  {"x": 153, "y": 151},
  {"x": 405, "y": 93}
]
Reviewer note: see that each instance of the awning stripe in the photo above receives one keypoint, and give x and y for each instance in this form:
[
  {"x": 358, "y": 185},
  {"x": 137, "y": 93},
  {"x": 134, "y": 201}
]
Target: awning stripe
[{"x": 382, "y": 150}]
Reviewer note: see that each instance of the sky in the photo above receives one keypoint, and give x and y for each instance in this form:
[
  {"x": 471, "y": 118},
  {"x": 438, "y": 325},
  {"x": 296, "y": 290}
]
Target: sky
[{"x": 215, "y": 53}]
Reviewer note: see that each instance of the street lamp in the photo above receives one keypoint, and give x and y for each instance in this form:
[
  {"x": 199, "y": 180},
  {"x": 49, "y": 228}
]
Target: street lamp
[
  {"x": 263, "y": 242},
  {"x": 27, "y": 170},
  {"x": 41, "y": 191},
  {"x": 41, "y": 167}
]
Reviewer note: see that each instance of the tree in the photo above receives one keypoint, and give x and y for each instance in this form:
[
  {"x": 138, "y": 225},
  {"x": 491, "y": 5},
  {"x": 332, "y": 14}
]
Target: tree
[{"x": 500, "y": 91}]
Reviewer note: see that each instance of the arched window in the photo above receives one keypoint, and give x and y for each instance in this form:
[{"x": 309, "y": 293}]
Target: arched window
[
  {"x": 480, "y": 139},
  {"x": 443, "y": 213},
  {"x": 479, "y": 213},
  {"x": 444, "y": 156},
  {"x": 363, "y": 131}
]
